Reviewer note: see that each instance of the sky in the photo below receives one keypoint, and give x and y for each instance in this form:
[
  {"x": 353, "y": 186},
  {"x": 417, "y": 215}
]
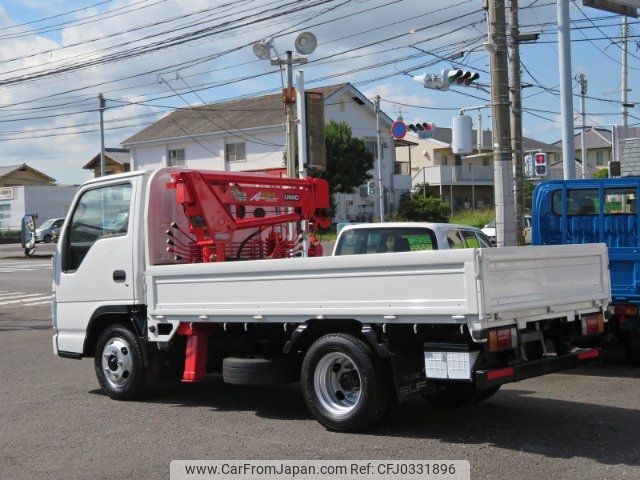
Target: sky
[{"x": 148, "y": 57}]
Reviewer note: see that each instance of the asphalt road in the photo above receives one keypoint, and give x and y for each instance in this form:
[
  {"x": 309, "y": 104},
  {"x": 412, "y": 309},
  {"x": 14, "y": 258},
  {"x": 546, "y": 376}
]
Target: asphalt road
[{"x": 56, "y": 424}]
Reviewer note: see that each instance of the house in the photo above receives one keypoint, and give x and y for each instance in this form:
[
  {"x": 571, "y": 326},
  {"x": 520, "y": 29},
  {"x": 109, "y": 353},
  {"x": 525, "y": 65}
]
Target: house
[
  {"x": 24, "y": 189},
  {"x": 462, "y": 181},
  {"x": 116, "y": 160},
  {"x": 16, "y": 175},
  {"x": 248, "y": 135},
  {"x": 599, "y": 142}
]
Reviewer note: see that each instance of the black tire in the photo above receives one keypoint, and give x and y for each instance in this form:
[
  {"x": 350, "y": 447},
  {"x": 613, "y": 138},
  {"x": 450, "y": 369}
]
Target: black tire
[
  {"x": 47, "y": 238},
  {"x": 118, "y": 344},
  {"x": 458, "y": 394},
  {"x": 367, "y": 388},
  {"x": 260, "y": 371}
]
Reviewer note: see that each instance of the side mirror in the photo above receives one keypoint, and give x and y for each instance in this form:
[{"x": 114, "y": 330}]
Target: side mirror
[{"x": 28, "y": 234}]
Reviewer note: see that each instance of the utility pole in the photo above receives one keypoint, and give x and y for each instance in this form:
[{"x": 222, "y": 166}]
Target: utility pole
[
  {"x": 379, "y": 134},
  {"x": 566, "y": 95},
  {"x": 623, "y": 82},
  {"x": 502, "y": 166},
  {"x": 516, "y": 117},
  {"x": 290, "y": 130},
  {"x": 103, "y": 104},
  {"x": 583, "y": 123},
  {"x": 289, "y": 99},
  {"x": 302, "y": 149}
]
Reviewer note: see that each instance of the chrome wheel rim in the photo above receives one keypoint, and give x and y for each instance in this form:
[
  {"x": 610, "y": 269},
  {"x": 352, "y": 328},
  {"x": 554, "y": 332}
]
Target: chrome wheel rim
[
  {"x": 117, "y": 363},
  {"x": 337, "y": 383}
]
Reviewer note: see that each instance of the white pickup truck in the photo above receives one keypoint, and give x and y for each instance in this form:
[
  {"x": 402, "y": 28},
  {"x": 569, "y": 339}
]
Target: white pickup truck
[{"x": 355, "y": 330}]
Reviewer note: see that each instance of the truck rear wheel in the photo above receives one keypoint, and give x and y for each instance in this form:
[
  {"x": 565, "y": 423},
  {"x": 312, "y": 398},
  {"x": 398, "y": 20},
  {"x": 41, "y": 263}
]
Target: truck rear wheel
[
  {"x": 454, "y": 395},
  {"x": 345, "y": 385},
  {"x": 118, "y": 363}
]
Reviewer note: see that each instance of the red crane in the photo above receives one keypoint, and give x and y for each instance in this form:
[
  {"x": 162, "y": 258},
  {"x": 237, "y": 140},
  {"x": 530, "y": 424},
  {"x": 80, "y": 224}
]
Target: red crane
[{"x": 239, "y": 216}]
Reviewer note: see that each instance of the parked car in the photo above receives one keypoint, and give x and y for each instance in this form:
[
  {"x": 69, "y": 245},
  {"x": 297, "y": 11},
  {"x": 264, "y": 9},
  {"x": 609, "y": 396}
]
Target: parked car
[
  {"x": 406, "y": 237},
  {"x": 49, "y": 230},
  {"x": 490, "y": 230}
]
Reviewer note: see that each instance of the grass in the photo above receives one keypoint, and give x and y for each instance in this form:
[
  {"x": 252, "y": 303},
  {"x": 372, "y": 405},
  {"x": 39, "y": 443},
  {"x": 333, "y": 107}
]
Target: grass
[{"x": 474, "y": 218}]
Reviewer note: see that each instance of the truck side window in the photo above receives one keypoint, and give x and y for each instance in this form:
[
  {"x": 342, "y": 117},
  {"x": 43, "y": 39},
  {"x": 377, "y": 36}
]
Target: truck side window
[
  {"x": 583, "y": 201},
  {"x": 101, "y": 212},
  {"x": 470, "y": 239},
  {"x": 620, "y": 200},
  {"x": 454, "y": 239}
]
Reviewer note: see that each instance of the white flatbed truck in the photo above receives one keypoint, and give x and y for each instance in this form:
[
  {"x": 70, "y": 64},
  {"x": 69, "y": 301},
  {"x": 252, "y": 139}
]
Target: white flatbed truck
[{"x": 355, "y": 330}]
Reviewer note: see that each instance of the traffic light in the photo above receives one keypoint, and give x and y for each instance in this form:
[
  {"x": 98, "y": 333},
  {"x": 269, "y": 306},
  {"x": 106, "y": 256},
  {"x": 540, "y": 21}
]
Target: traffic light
[
  {"x": 420, "y": 127},
  {"x": 540, "y": 164},
  {"x": 459, "y": 77},
  {"x": 455, "y": 77},
  {"x": 371, "y": 188}
]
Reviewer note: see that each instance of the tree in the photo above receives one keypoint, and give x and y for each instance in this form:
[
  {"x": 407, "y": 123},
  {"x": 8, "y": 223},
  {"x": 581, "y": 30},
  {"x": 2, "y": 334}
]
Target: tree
[
  {"x": 348, "y": 160},
  {"x": 601, "y": 173}
]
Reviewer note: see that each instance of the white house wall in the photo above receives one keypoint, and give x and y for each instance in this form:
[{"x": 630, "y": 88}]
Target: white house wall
[
  {"x": 263, "y": 151},
  {"x": 42, "y": 200},
  {"x": 363, "y": 125}
]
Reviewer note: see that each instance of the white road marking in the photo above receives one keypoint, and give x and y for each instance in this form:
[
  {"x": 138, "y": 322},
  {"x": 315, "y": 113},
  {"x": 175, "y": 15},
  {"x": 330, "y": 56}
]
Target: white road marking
[
  {"x": 9, "y": 296},
  {"x": 34, "y": 298},
  {"x": 47, "y": 302}
]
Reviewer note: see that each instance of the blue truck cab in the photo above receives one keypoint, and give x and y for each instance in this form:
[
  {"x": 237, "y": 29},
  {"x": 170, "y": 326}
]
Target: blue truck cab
[{"x": 598, "y": 211}]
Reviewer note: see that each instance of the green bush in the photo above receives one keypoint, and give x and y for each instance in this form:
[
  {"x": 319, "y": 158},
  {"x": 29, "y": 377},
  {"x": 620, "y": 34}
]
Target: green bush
[
  {"x": 423, "y": 209},
  {"x": 9, "y": 233},
  {"x": 474, "y": 218}
]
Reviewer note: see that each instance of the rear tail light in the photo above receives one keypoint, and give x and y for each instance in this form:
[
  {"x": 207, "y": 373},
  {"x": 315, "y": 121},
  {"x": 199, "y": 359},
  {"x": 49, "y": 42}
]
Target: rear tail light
[
  {"x": 627, "y": 310},
  {"x": 593, "y": 324},
  {"x": 503, "y": 339}
]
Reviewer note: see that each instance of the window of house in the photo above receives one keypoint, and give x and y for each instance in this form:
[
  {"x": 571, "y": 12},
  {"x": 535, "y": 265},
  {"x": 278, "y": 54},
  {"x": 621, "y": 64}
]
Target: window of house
[
  {"x": 599, "y": 158},
  {"x": 342, "y": 106},
  {"x": 175, "y": 158},
  {"x": 372, "y": 146},
  {"x": 5, "y": 215},
  {"x": 485, "y": 162},
  {"x": 235, "y": 152},
  {"x": 445, "y": 160}
]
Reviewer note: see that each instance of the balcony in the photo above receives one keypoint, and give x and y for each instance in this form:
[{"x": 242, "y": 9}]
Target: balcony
[{"x": 454, "y": 175}]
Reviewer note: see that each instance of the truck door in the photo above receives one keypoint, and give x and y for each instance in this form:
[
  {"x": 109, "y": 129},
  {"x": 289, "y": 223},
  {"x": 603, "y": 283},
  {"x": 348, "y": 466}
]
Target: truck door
[{"x": 94, "y": 261}]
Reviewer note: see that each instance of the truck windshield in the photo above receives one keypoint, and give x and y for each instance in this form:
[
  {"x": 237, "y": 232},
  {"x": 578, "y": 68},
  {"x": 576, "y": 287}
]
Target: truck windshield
[{"x": 383, "y": 240}]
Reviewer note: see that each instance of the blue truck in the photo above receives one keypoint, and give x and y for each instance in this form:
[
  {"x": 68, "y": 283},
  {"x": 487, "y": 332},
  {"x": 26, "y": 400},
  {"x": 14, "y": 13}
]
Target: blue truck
[{"x": 598, "y": 211}]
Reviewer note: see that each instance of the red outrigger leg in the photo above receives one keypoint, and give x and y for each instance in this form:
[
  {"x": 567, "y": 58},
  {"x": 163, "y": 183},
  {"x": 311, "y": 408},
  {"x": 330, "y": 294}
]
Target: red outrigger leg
[{"x": 196, "y": 354}]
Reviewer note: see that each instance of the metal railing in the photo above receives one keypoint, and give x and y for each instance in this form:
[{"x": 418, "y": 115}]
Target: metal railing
[{"x": 446, "y": 174}]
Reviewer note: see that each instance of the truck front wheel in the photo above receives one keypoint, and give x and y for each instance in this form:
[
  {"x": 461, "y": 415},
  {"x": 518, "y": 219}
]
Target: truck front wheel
[
  {"x": 118, "y": 363},
  {"x": 345, "y": 385}
]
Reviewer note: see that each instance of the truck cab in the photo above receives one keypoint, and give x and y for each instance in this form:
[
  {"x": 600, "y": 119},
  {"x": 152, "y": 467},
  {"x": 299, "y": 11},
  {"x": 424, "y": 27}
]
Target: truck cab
[{"x": 598, "y": 211}]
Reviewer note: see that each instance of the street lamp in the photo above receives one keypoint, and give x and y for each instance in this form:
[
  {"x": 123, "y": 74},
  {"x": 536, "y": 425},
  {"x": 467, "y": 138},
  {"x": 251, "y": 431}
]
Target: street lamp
[{"x": 304, "y": 44}]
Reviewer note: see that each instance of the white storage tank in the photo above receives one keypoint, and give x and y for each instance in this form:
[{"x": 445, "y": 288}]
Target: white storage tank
[{"x": 461, "y": 135}]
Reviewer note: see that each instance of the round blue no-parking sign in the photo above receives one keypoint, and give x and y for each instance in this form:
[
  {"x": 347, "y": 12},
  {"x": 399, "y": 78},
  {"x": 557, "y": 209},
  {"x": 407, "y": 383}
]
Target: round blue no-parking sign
[{"x": 398, "y": 129}]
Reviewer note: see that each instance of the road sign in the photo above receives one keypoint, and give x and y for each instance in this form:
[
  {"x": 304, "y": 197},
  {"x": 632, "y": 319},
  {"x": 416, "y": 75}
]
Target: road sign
[{"x": 398, "y": 129}]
